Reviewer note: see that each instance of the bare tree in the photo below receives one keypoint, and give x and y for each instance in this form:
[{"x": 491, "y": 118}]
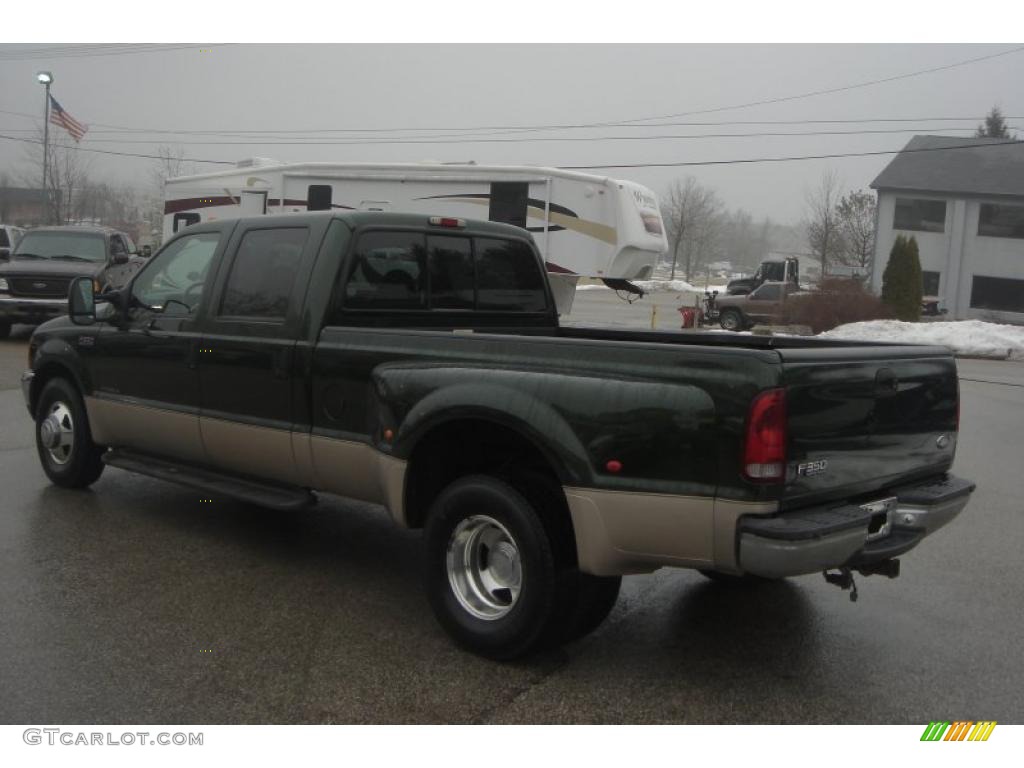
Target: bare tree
[
  {"x": 856, "y": 214},
  {"x": 171, "y": 163},
  {"x": 823, "y": 233},
  {"x": 67, "y": 173},
  {"x": 692, "y": 215}
]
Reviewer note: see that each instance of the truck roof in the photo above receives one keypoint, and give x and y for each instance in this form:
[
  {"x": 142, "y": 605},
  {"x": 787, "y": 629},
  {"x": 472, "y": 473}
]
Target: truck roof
[{"x": 364, "y": 218}]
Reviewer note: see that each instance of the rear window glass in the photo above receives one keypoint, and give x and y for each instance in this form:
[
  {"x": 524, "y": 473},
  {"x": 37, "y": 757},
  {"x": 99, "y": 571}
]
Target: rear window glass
[
  {"x": 263, "y": 273},
  {"x": 388, "y": 272},
  {"x": 508, "y": 276},
  {"x": 451, "y": 273}
]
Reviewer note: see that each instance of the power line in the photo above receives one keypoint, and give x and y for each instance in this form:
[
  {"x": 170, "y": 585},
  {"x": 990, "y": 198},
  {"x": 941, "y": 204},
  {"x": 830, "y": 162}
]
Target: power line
[
  {"x": 89, "y": 51},
  {"x": 748, "y": 160},
  {"x": 268, "y": 142},
  {"x": 122, "y": 154}
]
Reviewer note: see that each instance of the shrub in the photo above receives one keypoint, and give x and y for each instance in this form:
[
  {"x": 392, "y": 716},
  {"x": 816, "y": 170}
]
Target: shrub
[
  {"x": 837, "y": 301},
  {"x": 901, "y": 281}
]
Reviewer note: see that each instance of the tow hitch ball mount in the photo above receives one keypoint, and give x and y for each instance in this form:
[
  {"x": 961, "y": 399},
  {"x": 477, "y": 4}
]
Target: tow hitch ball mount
[{"x": 843, "y": 578}]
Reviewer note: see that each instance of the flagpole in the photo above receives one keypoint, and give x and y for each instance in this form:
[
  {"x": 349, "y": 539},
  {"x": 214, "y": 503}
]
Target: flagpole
[{"x": 46, "y": 78}]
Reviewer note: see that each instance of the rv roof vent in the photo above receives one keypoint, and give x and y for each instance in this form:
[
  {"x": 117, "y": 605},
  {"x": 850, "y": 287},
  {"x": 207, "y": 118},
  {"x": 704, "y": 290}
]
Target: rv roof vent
[{"x": 256, "y": 162}]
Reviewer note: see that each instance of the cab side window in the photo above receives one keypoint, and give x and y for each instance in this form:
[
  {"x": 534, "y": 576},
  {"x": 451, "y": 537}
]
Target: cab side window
[
  {"x": 174, "y": 279},
  {"x": 767, "y": 293},
  {"x": 387, "y": 272},
  {"x": 263, "y": 273}
]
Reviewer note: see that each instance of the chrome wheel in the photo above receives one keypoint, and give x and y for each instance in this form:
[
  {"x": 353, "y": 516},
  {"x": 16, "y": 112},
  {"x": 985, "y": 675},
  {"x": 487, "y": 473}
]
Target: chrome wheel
[
  {"x": 730, "y": 321},
  {"x": 484, "y": 567},
  {"x": 57, "y": 433}
]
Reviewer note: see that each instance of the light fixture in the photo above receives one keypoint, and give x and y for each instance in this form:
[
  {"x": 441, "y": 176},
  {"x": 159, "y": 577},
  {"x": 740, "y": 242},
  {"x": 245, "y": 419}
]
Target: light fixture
[{"x": 44, "y": 77}]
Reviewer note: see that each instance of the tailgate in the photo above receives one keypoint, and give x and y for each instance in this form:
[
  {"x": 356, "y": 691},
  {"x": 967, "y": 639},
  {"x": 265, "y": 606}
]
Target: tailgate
[{"x": 863, "y": 419}]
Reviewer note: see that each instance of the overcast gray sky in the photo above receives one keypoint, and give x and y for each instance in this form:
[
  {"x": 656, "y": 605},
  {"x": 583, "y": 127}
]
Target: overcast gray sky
[{"x": 304, "y": 87}]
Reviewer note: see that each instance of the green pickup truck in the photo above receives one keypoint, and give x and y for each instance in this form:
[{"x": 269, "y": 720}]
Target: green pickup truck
[{"x": 417, "y": 362}]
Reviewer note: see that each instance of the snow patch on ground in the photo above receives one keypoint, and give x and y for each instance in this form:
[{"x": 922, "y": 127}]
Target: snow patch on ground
[
  {"x": 657, "y": 286},
  {"x": 966, "y": 337}
]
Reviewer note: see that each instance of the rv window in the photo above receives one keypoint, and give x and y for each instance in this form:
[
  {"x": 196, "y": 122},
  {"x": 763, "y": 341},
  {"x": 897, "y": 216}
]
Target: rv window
[
  {"x": 508, "y": 202},
  {"x": 387, "y": 272},
  {"x": 263, "y": 272},
  {"x": 182, "y": 220},
  {"x": 508, "y": 276},
  {"x": 319, "y": 197},
  {"x": 451, "y": 272}
]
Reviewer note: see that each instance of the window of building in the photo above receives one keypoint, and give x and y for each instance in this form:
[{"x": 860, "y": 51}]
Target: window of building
[
  {"x": 997, "y": 293},
  {"x": 451, "y": 273},
  {"x": 387, "y": 272},
  {"x": 1001, "y": 220},
  {"x": 929, "y": 283},
  {"x": 920, "y": 215},
  {"x": 263, "y": 273},
  {"x": 508, "y": 276}
]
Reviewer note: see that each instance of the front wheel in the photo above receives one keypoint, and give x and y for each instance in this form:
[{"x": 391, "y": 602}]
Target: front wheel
[
  {"x": 496, "y": 574},
  {"x": 731, "y": 320},
  {"x": 63, "y": 439}
]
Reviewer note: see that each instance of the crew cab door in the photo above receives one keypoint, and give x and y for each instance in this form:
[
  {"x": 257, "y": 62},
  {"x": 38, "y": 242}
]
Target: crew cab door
[
  {"x": 145, "y": 385},
  {"x": 765, "y": 303},
  {"x": 246, "y": 358}
]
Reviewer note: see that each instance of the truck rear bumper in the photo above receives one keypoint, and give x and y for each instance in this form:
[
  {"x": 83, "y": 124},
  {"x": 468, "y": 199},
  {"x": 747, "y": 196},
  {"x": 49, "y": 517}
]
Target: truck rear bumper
[{"x": 851, "y": 535}]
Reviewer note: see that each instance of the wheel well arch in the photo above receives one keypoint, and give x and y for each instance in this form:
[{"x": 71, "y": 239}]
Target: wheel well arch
[
  {"x": 51, "y": 369},
  {"x": 473, "y": 445}
]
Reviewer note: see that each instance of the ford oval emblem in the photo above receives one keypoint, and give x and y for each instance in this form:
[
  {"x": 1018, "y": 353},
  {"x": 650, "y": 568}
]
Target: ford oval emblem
[
  {"x": 39, "y": 285},
  {"x": 942, "y": 441}
]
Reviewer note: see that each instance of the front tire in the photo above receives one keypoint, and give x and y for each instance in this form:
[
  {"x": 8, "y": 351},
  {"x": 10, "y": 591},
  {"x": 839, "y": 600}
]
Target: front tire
[
  {"x": 497, "y": 578},
  {"x": 63, "y": 438},
  {"x": 731, "y": 320}
]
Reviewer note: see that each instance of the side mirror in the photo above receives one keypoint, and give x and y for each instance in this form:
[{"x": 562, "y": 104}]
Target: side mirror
[
  {"x": 119, "y": 258},
  {"x": 146, "y": 252},
  {"x": 82, "y": 302}
]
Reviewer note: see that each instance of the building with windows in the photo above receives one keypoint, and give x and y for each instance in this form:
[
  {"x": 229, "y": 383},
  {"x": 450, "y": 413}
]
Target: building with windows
[{"x": 965, "y": 207}]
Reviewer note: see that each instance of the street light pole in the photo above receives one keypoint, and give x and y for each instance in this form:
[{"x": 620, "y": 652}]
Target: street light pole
[{"x": 46, "y": 79}]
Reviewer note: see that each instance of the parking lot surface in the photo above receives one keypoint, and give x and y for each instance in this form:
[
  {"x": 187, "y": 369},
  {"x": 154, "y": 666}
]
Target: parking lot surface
[{"x": 134, "y": 602}]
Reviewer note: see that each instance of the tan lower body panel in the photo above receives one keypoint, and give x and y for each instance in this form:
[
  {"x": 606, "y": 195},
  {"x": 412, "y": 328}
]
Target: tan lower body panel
[
  {"x": 261, "y": 452},
  {"x": 621, "y": 532},
  {"x": 343, "y": 467},
  {"x": 151, "y": 430},
  {"x": 358, "y": 471}
]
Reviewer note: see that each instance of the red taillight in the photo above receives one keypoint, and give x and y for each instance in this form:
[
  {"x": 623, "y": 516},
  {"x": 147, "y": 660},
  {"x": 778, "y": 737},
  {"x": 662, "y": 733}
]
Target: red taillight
[
  {"x": 764, "y": 450},
  {"x": 445, "y": 221}
]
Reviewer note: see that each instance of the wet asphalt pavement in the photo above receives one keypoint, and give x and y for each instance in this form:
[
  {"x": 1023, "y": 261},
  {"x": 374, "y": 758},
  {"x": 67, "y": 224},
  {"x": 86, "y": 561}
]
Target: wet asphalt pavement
[{"x": 134, "y": 602}]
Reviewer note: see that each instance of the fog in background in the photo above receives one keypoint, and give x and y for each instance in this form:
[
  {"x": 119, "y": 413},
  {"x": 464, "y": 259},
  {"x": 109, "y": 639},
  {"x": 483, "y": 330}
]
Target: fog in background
[{"x": 379, "y": 89}]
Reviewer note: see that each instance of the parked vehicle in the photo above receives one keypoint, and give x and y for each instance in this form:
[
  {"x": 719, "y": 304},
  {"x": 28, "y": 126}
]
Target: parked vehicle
[
  {"x": 9, "y": 237},
  {"x": 777, "y": 270},
  {"x": 34, "y": 283},
  {"x": 584, "y": 225},
  {"x": 761, "y": 307},
  {"x": 417, "y": 362}
]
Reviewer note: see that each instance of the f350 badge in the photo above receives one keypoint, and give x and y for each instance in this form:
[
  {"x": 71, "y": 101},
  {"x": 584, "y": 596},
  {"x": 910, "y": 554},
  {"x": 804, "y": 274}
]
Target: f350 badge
[{"x": 811, "y": 468}]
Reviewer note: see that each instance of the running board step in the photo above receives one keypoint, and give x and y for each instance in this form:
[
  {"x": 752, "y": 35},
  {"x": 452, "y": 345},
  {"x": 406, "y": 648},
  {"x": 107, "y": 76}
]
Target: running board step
[{"x": 252, "y": 492}]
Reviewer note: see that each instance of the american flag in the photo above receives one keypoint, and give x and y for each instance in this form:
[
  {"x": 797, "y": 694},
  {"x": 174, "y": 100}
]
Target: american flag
[{"x": 59, "y": 117}]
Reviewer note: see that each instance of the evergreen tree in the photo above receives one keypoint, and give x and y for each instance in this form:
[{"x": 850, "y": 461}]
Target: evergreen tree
[
  {"x": 901, "y": 281},
  {"x": 994, "y": 126}
]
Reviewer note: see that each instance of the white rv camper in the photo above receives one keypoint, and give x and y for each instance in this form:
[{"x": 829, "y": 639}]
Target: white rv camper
[{"x": 584, "y": 225}]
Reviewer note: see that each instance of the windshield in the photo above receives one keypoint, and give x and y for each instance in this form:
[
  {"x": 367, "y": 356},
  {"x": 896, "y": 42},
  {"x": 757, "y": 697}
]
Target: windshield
[{"x": 74, "y": 246}]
